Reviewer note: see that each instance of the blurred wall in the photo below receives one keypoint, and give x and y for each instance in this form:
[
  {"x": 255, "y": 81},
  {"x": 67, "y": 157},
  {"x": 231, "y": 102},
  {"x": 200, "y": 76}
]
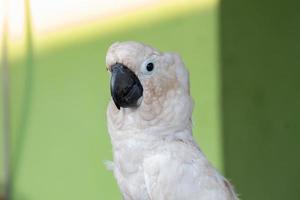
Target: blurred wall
[
  {"x": 59, "y": 94},
  {"x": 260, "y": 45}
]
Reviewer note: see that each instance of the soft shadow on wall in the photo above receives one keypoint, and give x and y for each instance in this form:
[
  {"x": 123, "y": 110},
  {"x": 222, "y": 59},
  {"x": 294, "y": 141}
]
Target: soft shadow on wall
[{"x": 260, "y": 71}]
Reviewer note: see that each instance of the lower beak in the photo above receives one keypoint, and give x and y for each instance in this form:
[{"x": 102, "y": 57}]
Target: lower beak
[{"x": 126, "y": 89}]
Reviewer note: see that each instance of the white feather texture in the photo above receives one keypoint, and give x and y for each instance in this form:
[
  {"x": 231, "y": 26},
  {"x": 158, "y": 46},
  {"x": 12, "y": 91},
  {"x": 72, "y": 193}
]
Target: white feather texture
[{"x": 155, "y": 155}]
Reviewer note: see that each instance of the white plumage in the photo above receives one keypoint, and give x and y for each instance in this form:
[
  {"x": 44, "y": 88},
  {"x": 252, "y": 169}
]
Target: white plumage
[{"x": 155, "y": 155}]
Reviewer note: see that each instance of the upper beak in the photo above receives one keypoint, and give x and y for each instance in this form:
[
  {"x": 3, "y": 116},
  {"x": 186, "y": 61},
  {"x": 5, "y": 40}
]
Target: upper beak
[{"x": 125, "y": 87}]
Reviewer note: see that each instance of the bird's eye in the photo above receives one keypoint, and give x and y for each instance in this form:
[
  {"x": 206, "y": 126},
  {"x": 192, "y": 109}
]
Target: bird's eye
[{"x": 150, "y": 67}]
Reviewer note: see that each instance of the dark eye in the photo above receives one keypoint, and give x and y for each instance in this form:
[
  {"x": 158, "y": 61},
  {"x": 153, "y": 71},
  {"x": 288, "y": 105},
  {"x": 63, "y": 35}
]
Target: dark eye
[
  {"x": 150, "y": 67},
  {"x": 147, "y": 67}
]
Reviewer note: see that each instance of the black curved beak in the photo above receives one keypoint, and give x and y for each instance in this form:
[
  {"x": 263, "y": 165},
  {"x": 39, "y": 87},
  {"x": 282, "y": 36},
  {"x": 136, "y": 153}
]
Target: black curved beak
[{"x": 125, "y": 87}]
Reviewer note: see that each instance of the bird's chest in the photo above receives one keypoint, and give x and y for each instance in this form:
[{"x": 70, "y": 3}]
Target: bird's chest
[{"x": 129, "y": 157}]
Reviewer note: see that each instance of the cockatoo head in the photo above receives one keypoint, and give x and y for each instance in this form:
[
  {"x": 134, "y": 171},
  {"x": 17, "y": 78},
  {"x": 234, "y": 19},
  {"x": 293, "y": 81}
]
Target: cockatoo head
[{"x": 147, "y": 85}]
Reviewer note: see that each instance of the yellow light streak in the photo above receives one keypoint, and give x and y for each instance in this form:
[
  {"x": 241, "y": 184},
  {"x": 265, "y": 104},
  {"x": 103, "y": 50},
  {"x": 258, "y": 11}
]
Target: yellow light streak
[{"x": 57, "y": 22}]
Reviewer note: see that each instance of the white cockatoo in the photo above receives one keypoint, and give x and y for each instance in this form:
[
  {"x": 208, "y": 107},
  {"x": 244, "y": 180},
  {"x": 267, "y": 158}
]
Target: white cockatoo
[{"x": 149, "y": 122}]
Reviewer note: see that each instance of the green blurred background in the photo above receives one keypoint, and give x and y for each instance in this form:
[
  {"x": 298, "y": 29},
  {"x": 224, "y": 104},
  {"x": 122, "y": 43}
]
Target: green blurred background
[
  {"x": 260, "y": 69},
  {"x": 242, "y": 58}
]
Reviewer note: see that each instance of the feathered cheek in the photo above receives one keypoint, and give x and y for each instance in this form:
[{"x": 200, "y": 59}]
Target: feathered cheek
[
  {"x": 148, "y": 96},
  {"x": 152, "y": 91},
  {"x": 151, "y": 107}
]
